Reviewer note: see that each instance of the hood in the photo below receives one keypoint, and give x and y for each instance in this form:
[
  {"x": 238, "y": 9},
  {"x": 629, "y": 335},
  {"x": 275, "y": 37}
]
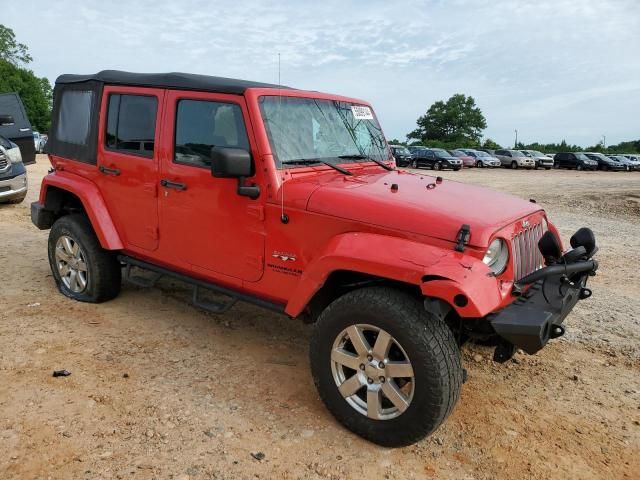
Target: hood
[{"x": 436, "y": 211}]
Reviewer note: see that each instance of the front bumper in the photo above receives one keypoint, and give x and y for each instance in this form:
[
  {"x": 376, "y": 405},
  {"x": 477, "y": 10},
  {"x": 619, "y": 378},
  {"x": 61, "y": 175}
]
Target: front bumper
[
  {"x": 13, "y": 187},
  {"x": 536, "y": 316}
]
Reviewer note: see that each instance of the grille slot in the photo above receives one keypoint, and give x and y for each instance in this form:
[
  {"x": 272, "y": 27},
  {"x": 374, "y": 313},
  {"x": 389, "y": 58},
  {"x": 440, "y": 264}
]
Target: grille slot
[
  {"x": 525, "y": 253},
  {"x": 4, "y": 163}
]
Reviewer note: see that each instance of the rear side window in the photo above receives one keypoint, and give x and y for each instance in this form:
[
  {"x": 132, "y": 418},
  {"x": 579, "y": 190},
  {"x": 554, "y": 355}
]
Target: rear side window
[
  {"x": 202, "y": 125},
  {"x": 74, "y": 117},
  {"x": 131, "y": 124}
]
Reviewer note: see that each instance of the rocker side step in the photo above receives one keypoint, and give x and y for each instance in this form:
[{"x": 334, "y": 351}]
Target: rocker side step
[{"x": 197, "y": 300}]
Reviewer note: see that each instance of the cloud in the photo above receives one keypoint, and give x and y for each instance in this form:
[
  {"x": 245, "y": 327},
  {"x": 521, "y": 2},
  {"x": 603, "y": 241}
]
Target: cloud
[{"x": 549, "y": 67}]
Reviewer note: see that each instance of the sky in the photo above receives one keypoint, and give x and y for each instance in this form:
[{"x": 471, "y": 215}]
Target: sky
[{"x": 552, "y": 69}]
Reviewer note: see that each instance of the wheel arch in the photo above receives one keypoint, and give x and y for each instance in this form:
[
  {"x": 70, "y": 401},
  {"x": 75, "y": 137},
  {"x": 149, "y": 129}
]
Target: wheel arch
[
  {"x": 352, "y": 260},
  {"x": 61, "y": 196}
]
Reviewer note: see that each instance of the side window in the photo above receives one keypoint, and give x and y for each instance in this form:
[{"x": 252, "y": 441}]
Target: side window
[
  {"x": 131, "y": 124},
  {"x": 202, "y": 125},
  {"x": 74, "y": 117}
]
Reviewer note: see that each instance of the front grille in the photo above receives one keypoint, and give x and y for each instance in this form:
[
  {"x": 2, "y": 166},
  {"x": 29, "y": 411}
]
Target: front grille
[
  {"x": 4, "y": 163},
  {"x": 524, "y": 248}
]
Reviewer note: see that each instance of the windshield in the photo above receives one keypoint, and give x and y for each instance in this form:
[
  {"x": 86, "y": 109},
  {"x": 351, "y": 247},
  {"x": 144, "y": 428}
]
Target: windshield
[
  {"x": 526, "y": 153},
  {"x": 482, "y": 154},
  {"x": 536, "y": 153},
  {"x": 309, "y": 128},
  {"x": 456, "y": 153},
  {"x": 582, "y": 156},
  {"x": 516, "y": 153}
]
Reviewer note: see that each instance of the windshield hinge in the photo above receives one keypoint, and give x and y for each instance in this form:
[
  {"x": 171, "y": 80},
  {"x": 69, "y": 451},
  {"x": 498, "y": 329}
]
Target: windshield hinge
[{"x": 463, "y": 237}]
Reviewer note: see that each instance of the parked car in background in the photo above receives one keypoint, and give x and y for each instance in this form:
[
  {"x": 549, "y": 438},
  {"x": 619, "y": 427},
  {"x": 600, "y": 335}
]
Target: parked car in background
[
  {"x": 576, "y": 160},
  {"x": 435, "y": 158},
  {"x": 401, "y": 154},
  {"x": 515, "y": 159},
  {"x": 467, "y": 160},
  {"x": 542, "y": 160},
  {"x": 634, "y": 159},
  {"x": 604, "y": 162},
  {"x": 482, "y": 158},
  {"x": 628, "y": 165},
  {"x": 15, "y": 125},
  {"x": 13, "y": 175}
]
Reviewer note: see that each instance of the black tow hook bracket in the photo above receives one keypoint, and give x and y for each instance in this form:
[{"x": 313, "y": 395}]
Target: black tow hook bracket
[
  {"x": 556, "y": 331},
  {"x": 504, "y": 352},
  {"x": 585, "y": 293}
]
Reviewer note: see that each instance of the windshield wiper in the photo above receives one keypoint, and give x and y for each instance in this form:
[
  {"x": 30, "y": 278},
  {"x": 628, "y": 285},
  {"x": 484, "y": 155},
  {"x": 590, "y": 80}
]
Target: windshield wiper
[
  {"x": 364, "y": 157},
  {"x": 313, "y": 161}
]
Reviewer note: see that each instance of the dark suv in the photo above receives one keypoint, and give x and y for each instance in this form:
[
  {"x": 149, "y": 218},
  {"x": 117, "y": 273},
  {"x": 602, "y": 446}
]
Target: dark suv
[
  {"x": 435, "y": 158},
  {"x": 402, "y": 155},
  {"x": 579, "y": 161},
  {"x": 604, "y": 162}
]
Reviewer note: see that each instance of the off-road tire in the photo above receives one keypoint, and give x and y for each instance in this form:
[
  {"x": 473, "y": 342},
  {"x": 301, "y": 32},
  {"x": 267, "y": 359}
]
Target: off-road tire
[
  {"x": 104, "y": 270},
  {"x": 429, "y": 345}
]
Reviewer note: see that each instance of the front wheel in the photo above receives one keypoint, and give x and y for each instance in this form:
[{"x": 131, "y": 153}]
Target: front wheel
[
  {"x": 456, "y": 169},
  {"x": 514, "y": 165},
  {"x": 479, "y": 164},
  {"x": 386, "y": 368},
  {"x": 81, "y": 268},
  {"x": 579, "y": 168},
  {"x": 437, "y": 166},
  {"x": 414, "y": 164}
]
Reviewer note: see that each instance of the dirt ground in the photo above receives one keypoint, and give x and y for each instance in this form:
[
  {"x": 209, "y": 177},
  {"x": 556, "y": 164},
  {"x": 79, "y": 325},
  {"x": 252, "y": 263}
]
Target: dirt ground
[{"x": 161, "y": 390}]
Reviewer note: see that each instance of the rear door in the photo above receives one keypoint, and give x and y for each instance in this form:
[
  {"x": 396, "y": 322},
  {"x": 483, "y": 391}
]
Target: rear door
[
  {"x": 128, "y": 162},
  {"x": 204, "y": 224}
]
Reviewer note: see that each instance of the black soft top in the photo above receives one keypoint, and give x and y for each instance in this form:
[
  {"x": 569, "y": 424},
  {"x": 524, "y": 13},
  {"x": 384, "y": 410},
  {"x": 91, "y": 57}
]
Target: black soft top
[{"x": 175, "y": 80}]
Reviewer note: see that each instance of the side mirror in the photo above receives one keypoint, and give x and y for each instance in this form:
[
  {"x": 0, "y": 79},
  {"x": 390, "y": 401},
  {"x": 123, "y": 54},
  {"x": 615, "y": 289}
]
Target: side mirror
[
  {"x": 6, "y": 120},
  {"x": 229, "y": 162}
]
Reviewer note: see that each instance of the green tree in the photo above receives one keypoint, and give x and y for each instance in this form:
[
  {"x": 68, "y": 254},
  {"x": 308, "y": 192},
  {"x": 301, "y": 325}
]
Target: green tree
[
  {"x": 457, "y": 121},
  {"x": 491, "y": 145},
  {"x": 36, "y": 93},
  {"x": 13, "y": 52}
]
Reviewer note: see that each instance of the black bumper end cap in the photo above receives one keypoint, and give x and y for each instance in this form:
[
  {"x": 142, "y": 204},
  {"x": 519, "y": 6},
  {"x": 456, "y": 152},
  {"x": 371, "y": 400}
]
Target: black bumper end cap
[{"x": 41, "y": 218}]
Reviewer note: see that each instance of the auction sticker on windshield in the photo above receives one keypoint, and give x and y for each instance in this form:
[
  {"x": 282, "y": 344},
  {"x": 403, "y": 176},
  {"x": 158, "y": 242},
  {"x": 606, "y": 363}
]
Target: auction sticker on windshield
[{"x": 361, "y": 112}]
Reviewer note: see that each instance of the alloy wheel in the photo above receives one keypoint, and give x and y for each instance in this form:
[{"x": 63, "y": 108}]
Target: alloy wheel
[
  {"x": 372, "y": 371},
  {"x": 71, "y": 264}
]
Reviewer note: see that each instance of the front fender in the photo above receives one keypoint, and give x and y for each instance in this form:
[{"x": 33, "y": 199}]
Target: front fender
[
  {"x": 92, "y": 202},
  {"x": 438, "y": 272}
]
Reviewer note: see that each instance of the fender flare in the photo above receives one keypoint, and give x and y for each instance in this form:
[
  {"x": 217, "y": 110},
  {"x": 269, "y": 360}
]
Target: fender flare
[
  {"x": 438, "y": 272},
  {"x": 93, "y": 204}
]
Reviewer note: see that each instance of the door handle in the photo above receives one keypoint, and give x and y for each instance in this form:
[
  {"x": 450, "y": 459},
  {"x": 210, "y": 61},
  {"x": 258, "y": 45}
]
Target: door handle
[
  {"x": 174, "y": 185},
  {"x": 109, "y": 171}
]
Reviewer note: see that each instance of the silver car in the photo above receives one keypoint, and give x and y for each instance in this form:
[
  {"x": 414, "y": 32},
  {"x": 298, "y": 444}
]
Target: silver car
[
  {"x": 515, "y": 159},
  {"x": 483, "y": 159},
  {"x": 542, "y": 160},
  {"x": 13, "y": 175}
]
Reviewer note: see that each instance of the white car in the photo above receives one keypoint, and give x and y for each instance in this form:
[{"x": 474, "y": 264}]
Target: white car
[{"x": 13, "y": 175}]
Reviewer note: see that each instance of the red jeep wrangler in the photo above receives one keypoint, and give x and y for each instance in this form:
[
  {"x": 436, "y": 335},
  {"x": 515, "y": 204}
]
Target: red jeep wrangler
[{"x": 290, "y": 200}]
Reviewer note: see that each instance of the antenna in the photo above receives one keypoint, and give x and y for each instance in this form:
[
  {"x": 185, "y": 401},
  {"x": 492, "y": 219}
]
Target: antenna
[{"x": 284, "y": 218}]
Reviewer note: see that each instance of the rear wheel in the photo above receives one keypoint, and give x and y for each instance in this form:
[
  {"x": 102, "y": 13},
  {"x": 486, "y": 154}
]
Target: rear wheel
[
  {"x": 385, "y": 367},
  {"x": 82, "y": 269}
]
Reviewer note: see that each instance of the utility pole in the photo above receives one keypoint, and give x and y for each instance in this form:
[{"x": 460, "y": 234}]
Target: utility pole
[
  {"x": 604, "y": 141},
  {"x": 515, "y": 145}
]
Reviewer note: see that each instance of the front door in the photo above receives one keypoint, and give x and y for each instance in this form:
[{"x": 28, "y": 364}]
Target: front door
[
  {"x": 204, "y": 224},
  {"x": 128, "y": 163}
]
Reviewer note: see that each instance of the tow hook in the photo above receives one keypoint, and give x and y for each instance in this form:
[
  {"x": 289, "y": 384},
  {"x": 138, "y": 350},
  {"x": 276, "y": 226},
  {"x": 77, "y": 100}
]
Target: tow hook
[
  {"x": 585, "y": 293},
  {"x": 556, "y": 331},
  {"x": 504, "y": 352}
]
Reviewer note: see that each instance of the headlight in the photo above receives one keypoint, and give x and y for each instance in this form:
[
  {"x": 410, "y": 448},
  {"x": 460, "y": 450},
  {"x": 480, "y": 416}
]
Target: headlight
[{"x": 497, "y": 256}]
